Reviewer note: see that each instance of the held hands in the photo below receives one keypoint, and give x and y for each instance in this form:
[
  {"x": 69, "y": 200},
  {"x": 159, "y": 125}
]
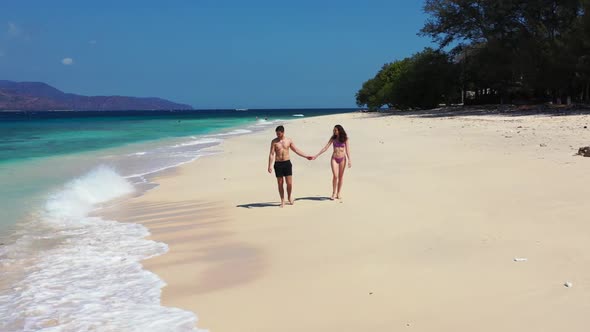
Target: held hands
[{"x": 270, "y": 170}]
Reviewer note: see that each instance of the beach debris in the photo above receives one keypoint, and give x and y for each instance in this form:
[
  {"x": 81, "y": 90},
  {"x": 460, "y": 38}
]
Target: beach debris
[
  {"x": 520, "y": 259},
  {"x": 543, "y": 145},
  {"x": 568, "y": 284},
  {"x": 584, "y": 151},
  {"x": 370, "y": 293},
  {"x": 585, "y": 127}
]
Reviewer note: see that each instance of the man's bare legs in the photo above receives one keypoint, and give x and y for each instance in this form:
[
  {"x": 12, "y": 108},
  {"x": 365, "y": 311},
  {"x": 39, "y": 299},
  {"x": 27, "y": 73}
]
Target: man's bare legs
[
  {"x": 335, "y": 173},
  {"x": 282, "y": 191},
  {"x": 289, "y": 188}
]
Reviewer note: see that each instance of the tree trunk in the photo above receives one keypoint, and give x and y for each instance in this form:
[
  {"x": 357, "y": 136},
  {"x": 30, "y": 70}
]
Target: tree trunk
[
  {"x": 462, "y": 96},
  {"x": 569, "y": 100},
  {"x": 587, "y": 98}
]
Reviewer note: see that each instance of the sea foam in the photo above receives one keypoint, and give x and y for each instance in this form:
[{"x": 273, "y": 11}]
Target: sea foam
[
  {"x": 88, "y": 275},
  {"x": 199, "y": 141}
]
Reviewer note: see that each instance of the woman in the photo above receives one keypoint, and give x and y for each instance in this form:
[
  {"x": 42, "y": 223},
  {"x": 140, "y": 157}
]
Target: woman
[{"x": 340, "y": 157}]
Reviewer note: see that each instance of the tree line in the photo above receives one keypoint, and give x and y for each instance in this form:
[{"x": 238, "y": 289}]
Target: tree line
[{"x": 491, "y": 51}]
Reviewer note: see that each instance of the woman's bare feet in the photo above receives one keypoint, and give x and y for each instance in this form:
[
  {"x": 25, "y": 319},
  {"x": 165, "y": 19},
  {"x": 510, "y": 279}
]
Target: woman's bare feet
[
  {"x": 291, "y": 201},
  {"x": 333, "y": 197},
  {"x": 282, "y": 204}
]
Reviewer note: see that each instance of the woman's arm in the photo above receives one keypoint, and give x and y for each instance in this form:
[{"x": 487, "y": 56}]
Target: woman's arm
[
  {"x": 324, "y": 149},
  {"x": 348, "y": 153}
]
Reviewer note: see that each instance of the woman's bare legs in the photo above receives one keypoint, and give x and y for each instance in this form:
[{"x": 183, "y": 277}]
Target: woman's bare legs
[
  {"x": 341, "y": 169},
  {"x": 334, "y": 165}
]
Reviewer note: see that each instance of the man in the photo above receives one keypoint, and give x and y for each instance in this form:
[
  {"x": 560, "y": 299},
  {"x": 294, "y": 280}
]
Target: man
[{"x": 279, "y": 150}]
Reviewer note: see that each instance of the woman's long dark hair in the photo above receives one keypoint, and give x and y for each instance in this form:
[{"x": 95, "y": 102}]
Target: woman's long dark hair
[{"x": 342, "y": 137}]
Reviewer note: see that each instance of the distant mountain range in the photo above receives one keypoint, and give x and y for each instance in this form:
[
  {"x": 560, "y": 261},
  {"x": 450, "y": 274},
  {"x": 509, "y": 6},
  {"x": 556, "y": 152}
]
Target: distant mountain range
[{"x": 38, "y": 96}]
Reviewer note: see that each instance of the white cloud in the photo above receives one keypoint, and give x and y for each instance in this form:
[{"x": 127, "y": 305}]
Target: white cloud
[
  {"x": 13, "y": 30},
  {"x": 67, "y": 61}
]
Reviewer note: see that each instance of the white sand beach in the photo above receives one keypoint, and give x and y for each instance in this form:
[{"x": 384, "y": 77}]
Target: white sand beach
[{"x": 434, "y": 212}]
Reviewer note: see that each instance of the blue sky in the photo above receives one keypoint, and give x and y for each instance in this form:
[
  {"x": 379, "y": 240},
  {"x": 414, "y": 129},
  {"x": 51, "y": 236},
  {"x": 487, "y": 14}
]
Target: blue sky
[{"x": 209, "y": 54}]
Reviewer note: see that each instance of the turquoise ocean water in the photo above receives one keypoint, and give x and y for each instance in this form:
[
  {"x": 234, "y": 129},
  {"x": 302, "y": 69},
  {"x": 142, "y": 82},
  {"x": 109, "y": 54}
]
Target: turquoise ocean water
[{"x": 58, "y": 264}]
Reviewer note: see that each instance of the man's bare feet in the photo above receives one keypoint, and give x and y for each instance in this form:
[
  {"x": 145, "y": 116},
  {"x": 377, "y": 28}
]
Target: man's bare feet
[
  {"x": 338, "y": 196},
  {"x": 291, "y": 201},
  {"x": 333, "y": 197},
  {"x": 282, "y": 204}
]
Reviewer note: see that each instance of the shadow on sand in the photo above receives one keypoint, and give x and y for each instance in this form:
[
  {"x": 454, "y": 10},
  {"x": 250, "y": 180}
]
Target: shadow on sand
[
  {"x": 276, "y": 204},
  {"x": 501, "y": 110},
  {"x": 313, "y": 198},
  {"x": 258, "y": 205}
]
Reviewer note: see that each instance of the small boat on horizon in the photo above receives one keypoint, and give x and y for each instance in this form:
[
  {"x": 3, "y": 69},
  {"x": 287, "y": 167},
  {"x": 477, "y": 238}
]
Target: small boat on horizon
[{"x": 241, "y": 109}]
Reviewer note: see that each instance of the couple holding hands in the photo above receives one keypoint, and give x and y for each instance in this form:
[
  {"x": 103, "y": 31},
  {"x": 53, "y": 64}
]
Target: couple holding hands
[{"x": 279, "y": 152}]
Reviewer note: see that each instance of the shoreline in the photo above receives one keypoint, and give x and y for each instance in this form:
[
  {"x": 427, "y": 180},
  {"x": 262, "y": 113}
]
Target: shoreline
[
  {"x": 62, "y": 223},
  {"x": 241, "y": 263}
]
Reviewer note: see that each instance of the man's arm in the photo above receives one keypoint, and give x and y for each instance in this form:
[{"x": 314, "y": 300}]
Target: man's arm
[
  {"x": 299, "y": 152},
  {"x": 271, "y": 157}
]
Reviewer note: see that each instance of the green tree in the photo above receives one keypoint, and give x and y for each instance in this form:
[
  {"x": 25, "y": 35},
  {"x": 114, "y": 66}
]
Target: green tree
[
  {"x": 378, "y": 91},
  {"x": 503, "y": 50},
  {"x": 524, "y": 47},
  {"x": 581, "y": 47},
  {"x": 424, "y": 80}
]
